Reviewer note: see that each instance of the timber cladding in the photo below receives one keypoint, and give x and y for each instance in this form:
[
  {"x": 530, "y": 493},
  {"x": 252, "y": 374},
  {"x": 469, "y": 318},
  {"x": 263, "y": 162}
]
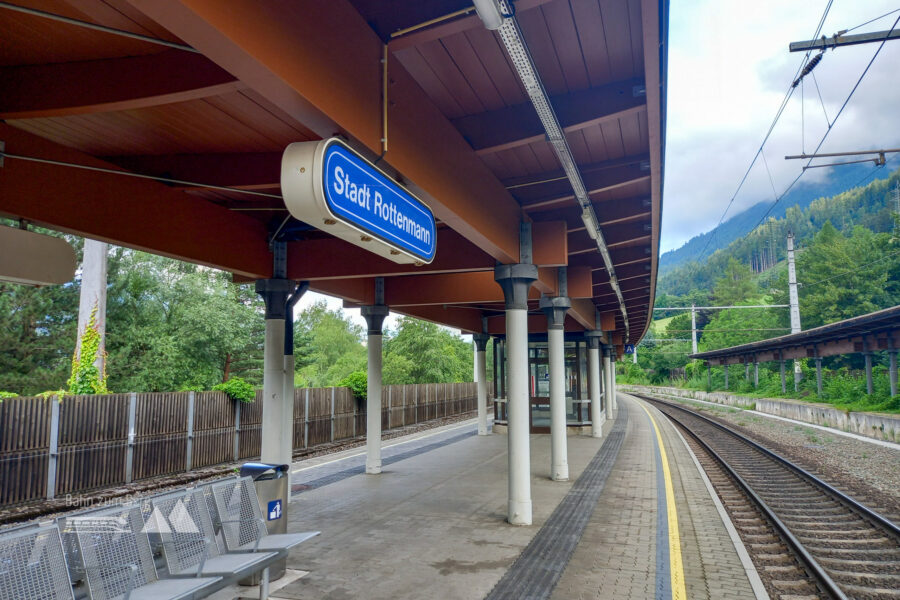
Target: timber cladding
[{"x": 114, "y": 439}]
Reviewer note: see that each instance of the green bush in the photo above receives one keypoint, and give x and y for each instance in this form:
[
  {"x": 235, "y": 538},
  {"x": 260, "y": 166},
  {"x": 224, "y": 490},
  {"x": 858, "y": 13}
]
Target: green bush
[
  {"x": 237, "y": 389},
  {"x": 7, "y": 395},
  {"x": 86, "y": 378},
  {"x": 357, "y": 382}
]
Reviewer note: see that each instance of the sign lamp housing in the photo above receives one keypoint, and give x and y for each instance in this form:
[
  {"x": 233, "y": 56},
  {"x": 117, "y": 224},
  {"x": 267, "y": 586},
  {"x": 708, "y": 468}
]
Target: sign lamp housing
[{"x": 330, "y": 186}]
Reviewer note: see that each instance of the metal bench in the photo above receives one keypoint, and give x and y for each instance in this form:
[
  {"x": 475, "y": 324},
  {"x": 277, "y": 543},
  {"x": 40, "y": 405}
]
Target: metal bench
[
  {"x": 33, "y": 565},
  {"x": 241, "y": 519},
  {"x": 190, "y": 548},
  {"x": 118, "y": 564}
]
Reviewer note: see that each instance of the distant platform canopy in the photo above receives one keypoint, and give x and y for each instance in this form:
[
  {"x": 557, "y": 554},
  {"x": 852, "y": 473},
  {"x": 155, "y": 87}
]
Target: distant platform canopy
[
  {"x": 873, "y": 332},
  {"x": 197, "y": 100}
]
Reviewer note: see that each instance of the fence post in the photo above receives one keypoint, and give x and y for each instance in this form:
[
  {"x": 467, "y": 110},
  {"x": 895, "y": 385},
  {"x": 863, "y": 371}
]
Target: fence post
[
  {"x": 390, "y": 404},
  {"x": 54, "y": 447},
  {"x": 306, "y": 420},
  {"x": 189, "y": 458},
  {"x": 355, "y": 414},
  {"x": 129, "y": 452},
  {"x": 404, "y": 406},
  {"x": 416, "y": 411},
  {"x": 237, "y": 430},
  {"x": 332, "y": 414}
]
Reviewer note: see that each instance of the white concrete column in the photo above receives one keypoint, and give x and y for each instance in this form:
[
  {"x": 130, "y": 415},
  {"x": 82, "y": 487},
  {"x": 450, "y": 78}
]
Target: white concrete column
[
  {"x": 555, "y": 309},
  {"x": 594, "y": 375},
  {"x": 609, "y": 383},
  {"x": 559, "y": 456},
  {"x": 93, "y": 295},
  {"x": 275, "y": 448},
  {"x": 516, "y": 280},
  {"x": 481, "y": 340},
  {"x": 613, "y": 401},
  {"x": 374, "y": 316},
  {"x": 287, "y": 423}
]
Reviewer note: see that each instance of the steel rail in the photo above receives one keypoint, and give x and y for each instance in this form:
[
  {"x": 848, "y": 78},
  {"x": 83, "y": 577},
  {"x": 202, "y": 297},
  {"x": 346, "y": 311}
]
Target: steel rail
[
  {"x": 816, "y": 570},
  {"x": 861, "y": 509}
]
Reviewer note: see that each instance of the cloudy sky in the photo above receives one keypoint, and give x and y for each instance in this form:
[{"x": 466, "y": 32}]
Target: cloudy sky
[{"x": 729, "y": 68}]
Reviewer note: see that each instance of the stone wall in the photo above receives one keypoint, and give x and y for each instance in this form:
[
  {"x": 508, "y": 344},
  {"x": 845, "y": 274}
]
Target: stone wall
[{"x": 873, "y": 425}]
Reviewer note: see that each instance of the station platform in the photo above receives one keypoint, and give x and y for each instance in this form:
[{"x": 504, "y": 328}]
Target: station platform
[{"x": 636, "y": 520}]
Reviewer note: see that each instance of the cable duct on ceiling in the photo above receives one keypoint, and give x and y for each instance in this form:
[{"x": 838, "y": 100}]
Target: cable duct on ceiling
[{"x": 499, "y": 16}]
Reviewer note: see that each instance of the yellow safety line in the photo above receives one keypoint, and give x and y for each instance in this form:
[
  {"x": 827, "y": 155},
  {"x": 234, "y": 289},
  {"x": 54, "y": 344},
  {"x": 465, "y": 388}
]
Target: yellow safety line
[{"x": 676, "y": 567}]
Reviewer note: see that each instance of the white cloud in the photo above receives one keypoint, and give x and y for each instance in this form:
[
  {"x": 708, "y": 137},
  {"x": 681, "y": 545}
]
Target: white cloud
[{"x": 729, "y": 68}]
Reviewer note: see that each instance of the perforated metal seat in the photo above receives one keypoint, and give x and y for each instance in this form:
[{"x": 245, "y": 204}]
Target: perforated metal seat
[
  {"x": 33, "y": 565},
  {"x": 189, "y": 543},
  {"x": 243, "y": 526},
  {"x": 118, "y": 562}
]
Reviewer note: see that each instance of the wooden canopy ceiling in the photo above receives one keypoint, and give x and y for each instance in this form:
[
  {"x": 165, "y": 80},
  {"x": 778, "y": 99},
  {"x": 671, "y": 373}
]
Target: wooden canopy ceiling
[{"x": 220, "y": 88}]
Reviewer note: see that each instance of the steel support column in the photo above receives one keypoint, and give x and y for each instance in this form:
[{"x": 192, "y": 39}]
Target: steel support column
[
  {"x": 481, "y": 340},
  {"x": 725, "y": 368},
  {"x": 892, "y": 370},
  {"x": 516, "y": 279},
  {"x": 868, "y": 356},
  {"x": 783, "y": 383},
  {"x": 819, "y": 375}
]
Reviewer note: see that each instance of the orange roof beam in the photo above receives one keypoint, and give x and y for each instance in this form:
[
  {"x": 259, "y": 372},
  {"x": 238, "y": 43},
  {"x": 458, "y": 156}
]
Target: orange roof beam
[
  {"x": 138, "y": 213},
  {"x": 514, "y": 126},
  {"x": 92, "y": 86},
  {"x": 326, "y": 73}
]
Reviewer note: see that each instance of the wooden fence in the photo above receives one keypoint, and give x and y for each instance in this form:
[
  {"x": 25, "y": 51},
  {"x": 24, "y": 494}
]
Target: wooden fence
[{"x": 50, "y": 448}]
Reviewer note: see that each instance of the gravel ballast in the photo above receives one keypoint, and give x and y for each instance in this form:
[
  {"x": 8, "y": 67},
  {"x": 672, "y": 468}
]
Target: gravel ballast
[{"x": 868, "y": 472}]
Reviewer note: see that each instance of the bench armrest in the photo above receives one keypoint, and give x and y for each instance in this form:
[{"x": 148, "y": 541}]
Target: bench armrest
[{"x": 256, "y": 545}]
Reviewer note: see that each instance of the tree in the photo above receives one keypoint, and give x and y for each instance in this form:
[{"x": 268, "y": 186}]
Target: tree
[
  {"x": 735, "y": 286},
  {"x": 327, "y": 345},
  {"x": 430, "y": 353},
  {"x": 846, "y": 276}
]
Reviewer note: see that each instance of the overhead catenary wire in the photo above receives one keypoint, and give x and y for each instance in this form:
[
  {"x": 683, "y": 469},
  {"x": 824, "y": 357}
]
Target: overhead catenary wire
[
  {"x": 778, "y": 114},
  {"x": 830, "y": 126},
  {"x": 196, "y": 184},
  {"x": 887, "y": 14}
]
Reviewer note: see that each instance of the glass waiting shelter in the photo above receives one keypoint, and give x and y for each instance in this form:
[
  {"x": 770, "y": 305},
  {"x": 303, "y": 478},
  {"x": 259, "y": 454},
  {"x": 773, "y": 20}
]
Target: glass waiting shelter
[{"x": 578, "y": 403}]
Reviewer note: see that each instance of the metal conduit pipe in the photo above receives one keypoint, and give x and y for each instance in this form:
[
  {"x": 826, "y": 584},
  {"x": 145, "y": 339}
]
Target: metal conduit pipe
[{"x": 498, "y": 15}]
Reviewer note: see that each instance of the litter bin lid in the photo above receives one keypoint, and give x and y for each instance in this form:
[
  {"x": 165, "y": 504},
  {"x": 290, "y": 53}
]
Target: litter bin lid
[{"x": 263, "y": 470}]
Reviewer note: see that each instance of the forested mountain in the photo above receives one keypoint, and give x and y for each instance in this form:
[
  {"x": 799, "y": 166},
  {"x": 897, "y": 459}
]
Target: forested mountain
[
  {"x": 848, "y": 264},
  {"x": 744, "y": 222},
  {"x": 870, "y": 206}
]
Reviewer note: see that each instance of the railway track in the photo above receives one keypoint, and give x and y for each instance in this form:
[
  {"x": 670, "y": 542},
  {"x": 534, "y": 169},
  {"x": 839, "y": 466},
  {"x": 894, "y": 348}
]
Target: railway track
[{"x": 807, "y": 539}]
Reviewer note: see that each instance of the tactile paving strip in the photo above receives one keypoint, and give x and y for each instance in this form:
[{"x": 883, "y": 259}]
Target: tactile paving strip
[{"x": 538, "y": 569}]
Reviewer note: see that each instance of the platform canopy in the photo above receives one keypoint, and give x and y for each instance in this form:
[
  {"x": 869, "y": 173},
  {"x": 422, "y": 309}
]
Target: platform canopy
[
  {"x": 872, "y": 332},
  {"x": 208, "y": 93}
]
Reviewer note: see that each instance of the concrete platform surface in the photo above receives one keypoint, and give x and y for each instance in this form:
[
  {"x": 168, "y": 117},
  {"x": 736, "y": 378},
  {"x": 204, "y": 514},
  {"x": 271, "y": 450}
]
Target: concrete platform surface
[{"x": 432, "y": 525}]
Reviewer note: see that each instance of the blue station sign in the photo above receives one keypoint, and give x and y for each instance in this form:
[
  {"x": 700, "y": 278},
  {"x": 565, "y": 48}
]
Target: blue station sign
[{"x": 329, "y": 185}]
